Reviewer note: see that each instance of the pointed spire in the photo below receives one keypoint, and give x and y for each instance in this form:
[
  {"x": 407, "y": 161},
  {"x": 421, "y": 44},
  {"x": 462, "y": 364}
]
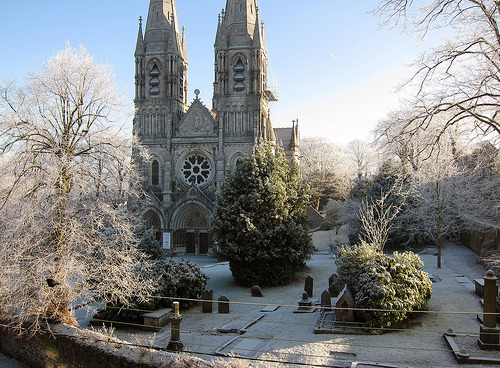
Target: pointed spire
[
  {"x": 184, "y": 47},
  {"x": 139, "y": 48},
  {"x": 239, "y": 21},
  {"x": 219, "y": 38},
  {"x": 162, "y": 25}
]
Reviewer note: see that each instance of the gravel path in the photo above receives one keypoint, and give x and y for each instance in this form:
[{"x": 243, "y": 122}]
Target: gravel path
[{"x": 289, "y": 337}]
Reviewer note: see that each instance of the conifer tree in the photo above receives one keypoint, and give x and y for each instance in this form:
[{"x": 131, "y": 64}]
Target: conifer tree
[{"x": 261, "y": 221}]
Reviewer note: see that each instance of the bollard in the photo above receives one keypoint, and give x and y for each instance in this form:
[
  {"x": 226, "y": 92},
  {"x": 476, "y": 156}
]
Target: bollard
[
  {"x": 489, "y": 337},
  {"x": 175, "y": 343}
]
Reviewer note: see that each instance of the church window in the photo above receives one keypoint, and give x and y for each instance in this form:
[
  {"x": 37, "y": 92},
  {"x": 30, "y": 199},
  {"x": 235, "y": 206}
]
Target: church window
[
  {"x": 155, "y": 173},
  {"x": 196, "y": 170},
  {"x": 154, "y": 82},
  {"x": 239, "y": 76}
]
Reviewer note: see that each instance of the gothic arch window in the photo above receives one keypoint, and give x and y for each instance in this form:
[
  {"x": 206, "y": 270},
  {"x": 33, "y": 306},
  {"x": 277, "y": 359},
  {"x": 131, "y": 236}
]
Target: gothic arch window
[
  {"x": 154, "y": 82},
  {"x": 239, "y": 75},
  {"x": 155, "y": 173}
]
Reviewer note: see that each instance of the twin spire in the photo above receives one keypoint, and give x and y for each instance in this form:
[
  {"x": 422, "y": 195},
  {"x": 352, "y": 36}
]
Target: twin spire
[
  {"x": 162, "y": 30},
  {"x": 239, "y": 25}
]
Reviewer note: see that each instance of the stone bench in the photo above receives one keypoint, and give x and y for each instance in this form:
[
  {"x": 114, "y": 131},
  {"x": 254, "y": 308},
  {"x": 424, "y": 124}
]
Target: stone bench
[{"x": 158, "y": 318}]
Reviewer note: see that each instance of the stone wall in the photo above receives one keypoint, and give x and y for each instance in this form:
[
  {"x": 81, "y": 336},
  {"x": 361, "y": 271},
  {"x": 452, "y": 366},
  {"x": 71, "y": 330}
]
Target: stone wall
[
  {"x": 481, "y": 242},
  {"x": 68, "y": 347}
]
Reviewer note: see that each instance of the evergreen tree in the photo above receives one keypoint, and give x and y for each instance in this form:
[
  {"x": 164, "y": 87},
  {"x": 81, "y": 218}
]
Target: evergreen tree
[{"x": 260, "y": 221}]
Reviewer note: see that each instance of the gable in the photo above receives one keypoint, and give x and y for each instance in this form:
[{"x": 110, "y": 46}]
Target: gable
[{"x": 197, "y": 122}]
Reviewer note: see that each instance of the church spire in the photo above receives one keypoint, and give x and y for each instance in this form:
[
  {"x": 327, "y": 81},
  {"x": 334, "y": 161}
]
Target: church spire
[
  {"x": 139, "y": 48},
  {"x": 162, "y": 25},
  {"x": 239, "y": 21}
]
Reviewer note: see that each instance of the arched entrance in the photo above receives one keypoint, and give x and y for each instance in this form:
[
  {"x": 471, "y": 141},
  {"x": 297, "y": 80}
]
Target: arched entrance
[
  {"x": 191, "y": 229},
  {"x": 152, "y": 221}
]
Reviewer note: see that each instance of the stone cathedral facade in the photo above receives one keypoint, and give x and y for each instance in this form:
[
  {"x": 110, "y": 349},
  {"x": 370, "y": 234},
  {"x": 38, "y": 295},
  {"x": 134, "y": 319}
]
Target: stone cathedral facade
[{"x": 193, "y": 148}]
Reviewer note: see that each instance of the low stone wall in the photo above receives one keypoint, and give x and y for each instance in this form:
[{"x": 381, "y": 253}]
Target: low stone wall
[
  {"x": 481, "y": 242},
  {"x": 73, "y": 348}
]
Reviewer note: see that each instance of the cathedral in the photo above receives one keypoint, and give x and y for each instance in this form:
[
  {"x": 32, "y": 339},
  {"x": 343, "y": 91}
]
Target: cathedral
[{"x": 192, "y": 147}]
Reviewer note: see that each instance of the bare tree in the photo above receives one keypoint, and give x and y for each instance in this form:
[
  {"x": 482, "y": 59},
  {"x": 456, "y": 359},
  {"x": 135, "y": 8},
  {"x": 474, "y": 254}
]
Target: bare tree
[
  {"x": 326, "y": 169},
  {"x": 377, "y": 215},
  {"x": 458, "y": 82},
  {"x": 66, "y": 175},
  {"x": 363, "y": 155}
]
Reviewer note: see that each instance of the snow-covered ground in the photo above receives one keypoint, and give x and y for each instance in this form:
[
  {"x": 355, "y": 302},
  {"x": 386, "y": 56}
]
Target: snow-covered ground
[{"x": 288, "y": 337}]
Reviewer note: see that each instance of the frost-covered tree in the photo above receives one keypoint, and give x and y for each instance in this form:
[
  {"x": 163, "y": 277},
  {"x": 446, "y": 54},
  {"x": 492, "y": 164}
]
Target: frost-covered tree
[
  {"x": 457, "y": 82},
  {"x": 260, "y": 221},
  {"x": 66, "y": 175},
  {"x": 326, "y": 169}
]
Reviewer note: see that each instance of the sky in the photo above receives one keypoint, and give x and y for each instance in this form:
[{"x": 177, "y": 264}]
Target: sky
[{"x": 335, "y": 69}]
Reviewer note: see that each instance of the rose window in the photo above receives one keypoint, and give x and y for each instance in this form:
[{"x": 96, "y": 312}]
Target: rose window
[{"x": 196, "y": 170}]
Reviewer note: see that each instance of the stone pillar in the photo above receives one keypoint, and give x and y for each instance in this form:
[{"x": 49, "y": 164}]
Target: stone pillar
[
  {"x": 175, "y": 343},
  {"x": 489, "y": 337}
]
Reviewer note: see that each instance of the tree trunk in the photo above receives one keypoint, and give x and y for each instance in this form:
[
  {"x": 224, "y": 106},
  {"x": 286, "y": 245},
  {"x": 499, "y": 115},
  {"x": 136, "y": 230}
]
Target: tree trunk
[{"x": 440, "y": 243}]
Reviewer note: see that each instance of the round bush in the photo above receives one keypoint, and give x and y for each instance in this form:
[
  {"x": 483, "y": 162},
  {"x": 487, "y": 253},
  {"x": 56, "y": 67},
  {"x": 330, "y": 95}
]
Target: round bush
[{"x": 396, "y": 284}]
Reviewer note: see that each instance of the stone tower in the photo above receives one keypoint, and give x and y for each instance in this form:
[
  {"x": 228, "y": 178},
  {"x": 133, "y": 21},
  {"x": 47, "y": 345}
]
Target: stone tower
[
  {"x": 193, "y": 148},
  {"x": 241, "y": 96},
  {"x": 160, "y": 72}
]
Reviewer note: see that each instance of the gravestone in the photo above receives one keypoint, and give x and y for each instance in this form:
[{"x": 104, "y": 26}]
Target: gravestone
[
  {"x": 326, "y": 302},
  {"x": 344, "y": 307},
  {"x": 256, "y": 292},
  {"x": 308, "y": 287},
  {"x": 206, "y": 304},
  {"x": 223, "y": 305},
  {"x": 305, "y": 303},
  {"x": 334, "y": 285}
]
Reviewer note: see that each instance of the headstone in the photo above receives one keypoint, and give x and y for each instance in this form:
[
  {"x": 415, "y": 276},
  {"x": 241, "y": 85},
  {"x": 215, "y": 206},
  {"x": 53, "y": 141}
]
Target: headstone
[
  {"x": 305, "y": 303},
  {"x": 334, "y": 285},
  {"x": 308, "y": 287},
  {"x": 332, "y": 278},
  {"x": 326, "y": 302},
  {"x": 206, "y": 303},
  {"x": 256, "y": 292},
  {"x": 223, "y": 305}
]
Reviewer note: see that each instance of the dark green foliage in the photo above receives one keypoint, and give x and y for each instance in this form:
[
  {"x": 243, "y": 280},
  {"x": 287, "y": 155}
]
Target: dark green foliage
[
  {"x": 379, "y": 281},
  {"x": 175, "y": 280},
  {"x": 260, "y": 221}
]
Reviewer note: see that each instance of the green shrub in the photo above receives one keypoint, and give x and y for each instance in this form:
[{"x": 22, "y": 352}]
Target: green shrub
[
  {"x": 175, "y": 280},
  {"x": 260, "y": 221},
  {"x": 379, "y": 281}
]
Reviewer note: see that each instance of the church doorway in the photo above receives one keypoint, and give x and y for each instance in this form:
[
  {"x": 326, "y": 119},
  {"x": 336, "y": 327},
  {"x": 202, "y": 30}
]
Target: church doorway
[{"x": 191, "y": 232}]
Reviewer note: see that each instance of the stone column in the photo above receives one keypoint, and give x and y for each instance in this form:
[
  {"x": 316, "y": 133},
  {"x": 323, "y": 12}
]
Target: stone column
[
  {"x": 175, "y": 343},
  {"x": 489, "y": 337}
]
